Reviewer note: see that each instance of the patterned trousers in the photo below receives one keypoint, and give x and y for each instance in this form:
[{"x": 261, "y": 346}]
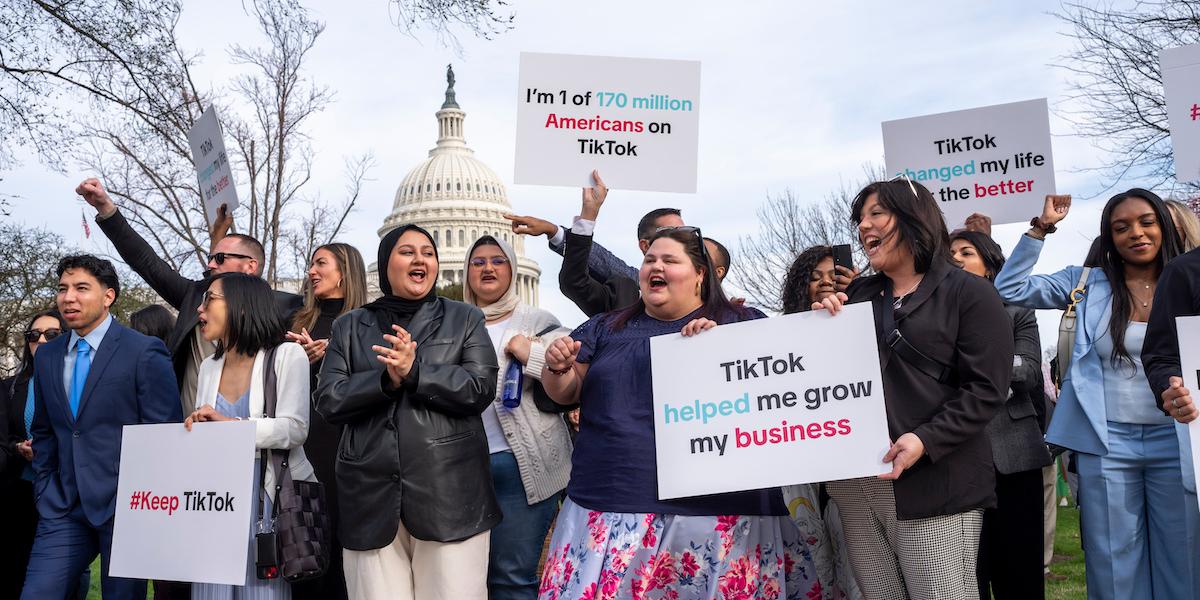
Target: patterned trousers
[{"x": 923, "y": 559}]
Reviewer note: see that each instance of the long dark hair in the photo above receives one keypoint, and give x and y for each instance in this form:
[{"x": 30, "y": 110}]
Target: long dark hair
[
  {"x": 252, "y": 322},
  {"x": 1109, "y": 259},
  {"x": 795, "y": 285},
  {"x": 919, "y": 222},
  {"x": 26, "y": 370},
  {"x": 715, "y": 305},
  {"x": 154, "y": 320},
  {"x": 989, "y": 251}
]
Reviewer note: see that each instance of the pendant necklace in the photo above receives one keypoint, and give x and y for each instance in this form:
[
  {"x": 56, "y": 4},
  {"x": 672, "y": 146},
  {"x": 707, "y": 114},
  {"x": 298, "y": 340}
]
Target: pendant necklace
[{"x": 900, "y": 300}]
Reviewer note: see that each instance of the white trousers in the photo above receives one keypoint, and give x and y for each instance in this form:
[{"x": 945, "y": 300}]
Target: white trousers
[{"x": 413, "y": 569}]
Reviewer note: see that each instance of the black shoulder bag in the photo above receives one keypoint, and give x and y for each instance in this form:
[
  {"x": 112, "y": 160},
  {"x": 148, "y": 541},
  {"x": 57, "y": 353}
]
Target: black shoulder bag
[
  {"x": 298, "y": 545},
  {"x": 906, "y": 351}
]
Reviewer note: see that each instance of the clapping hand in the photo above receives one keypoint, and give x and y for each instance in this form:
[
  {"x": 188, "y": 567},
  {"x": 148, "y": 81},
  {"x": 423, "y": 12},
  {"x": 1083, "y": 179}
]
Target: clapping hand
[
  {"x": 315, "y": 349},
  {"x": 399, "y": 357}
]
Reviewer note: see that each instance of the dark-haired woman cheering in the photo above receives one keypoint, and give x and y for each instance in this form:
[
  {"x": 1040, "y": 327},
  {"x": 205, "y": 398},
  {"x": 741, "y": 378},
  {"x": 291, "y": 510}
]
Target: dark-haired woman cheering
[
  {"x": 407, "y": 377},
  {"x": 238, "y": 315},
  {"x": 1130, "y": 483},
  {"x": 946, "y": 351},
  {"x": 614, "y": 538},
  {"x": 1011, "y": 543}
]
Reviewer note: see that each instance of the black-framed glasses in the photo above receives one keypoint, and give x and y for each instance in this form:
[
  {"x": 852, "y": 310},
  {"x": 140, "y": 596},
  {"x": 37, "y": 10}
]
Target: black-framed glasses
[
  {"x": 220, "y": 257},
  {"x": 904, "y": 176},
  {"x": 209, "y": 296},
  {"x": 33, "y": 335},
  {"x": 497, "y": 261}
]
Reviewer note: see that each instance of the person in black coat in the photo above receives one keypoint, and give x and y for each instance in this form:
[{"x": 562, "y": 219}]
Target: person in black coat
[
  {"x": 16, "y": 455},
  {"x": 946, "y": 354},
  {"x": 407, "y": 377},
  {"x": 1011, "y": 544}
]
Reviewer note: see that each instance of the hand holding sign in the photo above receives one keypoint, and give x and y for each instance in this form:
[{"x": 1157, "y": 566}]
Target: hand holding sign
[{"x": 1178, "y": 401}]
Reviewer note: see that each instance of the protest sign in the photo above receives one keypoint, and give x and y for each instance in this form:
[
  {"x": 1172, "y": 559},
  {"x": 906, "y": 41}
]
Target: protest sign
[
  {"x": 766, "y": 403},
  {"x": 994, "y": 160},
  {"x": 635, "y": 120},
  {"x": 184, "y": 502},
  {"x": 1188, "y": 330},
  {"x": 1181, "y": 86},
  {"x": 212, "y": 164}
]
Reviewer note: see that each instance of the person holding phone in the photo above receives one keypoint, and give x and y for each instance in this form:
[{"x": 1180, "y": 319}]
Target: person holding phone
[{"x": 1130, "y": 481}]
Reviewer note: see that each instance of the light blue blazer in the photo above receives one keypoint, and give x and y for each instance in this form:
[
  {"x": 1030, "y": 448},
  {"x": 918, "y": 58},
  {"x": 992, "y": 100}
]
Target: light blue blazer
[{"x": 1080, "y": 419}]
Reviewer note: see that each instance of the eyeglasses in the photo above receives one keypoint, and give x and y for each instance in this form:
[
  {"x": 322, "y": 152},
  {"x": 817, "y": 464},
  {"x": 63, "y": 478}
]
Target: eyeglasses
[
  {"x": 208, "y": 296},
  {"x": 220, "y": 257},
  {"x": 497, "y": 261},
  {"x": 33, "y": 335},
  {"x": 912, "y": 187}
]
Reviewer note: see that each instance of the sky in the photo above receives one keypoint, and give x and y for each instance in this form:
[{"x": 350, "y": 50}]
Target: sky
[{"x": 793, "y": 94}]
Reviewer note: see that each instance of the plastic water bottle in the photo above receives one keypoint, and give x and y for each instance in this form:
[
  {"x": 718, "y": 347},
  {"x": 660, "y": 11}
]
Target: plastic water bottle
[{"x": 513, "y": 383}]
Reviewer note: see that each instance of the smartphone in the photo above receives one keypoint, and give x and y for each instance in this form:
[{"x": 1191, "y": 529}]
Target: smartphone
[{"x": 843, "y": 257}]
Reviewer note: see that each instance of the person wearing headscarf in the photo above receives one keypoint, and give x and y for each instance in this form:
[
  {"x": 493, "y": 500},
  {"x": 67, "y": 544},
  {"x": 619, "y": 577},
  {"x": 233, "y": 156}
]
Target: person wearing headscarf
[
  {"x": 407, "y": 376},
  {"x": 530, "y": 448}
]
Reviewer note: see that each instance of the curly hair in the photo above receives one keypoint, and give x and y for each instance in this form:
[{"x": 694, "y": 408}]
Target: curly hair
[{"x": 795, "y": 286}]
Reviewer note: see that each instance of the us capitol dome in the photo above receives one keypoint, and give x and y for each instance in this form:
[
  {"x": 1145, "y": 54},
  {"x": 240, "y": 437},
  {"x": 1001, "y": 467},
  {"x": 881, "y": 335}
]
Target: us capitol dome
[{"x": 457, "y": 199}]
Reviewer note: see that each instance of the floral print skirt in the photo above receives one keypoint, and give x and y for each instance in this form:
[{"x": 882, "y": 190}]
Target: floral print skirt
[{"x": 603, "y": 556}]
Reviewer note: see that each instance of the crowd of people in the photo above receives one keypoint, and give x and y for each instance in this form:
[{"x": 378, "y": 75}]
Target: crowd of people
[{"x": 442, "y": 479}]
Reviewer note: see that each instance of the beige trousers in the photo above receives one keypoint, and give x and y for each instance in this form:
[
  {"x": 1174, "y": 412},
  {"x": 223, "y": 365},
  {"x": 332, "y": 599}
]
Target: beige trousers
[{"x": 413, "y": 569}]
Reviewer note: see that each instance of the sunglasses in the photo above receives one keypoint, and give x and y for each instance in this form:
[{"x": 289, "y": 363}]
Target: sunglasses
[
  {"x": 220, "y": 257},
  {"x": 497, "y": 261},
  {"x": 912, "y": 187},
  {"x": 208, "y": 296},
  {"x": 686, "y": 229},
  {"x": 33, "y": 335}
]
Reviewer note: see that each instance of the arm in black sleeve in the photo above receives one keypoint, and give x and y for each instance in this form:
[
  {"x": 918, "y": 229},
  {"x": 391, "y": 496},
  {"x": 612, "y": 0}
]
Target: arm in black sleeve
[
  {"x": 1175, "y": 296},
  {"x": 576, "y": 282},
  {"x": 145, "y": 261},
  {"x": 1027, "y": 346}
]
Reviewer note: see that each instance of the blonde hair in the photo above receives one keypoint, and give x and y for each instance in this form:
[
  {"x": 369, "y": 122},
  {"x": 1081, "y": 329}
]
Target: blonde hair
[
  {"x": 353, "y": 284},
  {"x": 1186, "y": 223}
]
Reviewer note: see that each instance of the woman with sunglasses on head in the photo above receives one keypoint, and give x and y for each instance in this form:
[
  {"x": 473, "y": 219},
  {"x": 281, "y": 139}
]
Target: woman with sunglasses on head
[
  {"x": 530, "y": 450},
  {"x": 16, "y": 455},
  {"x": 336, "y": 285},
  {"x": 406, "y": 377},
  {"x": 946, "y": 350},
  {"x": 1011, "y": 544},
  {"x": 1130, "y": 480},
  {"x": 237, "y": 315},
  {"x": 614, "y": 538}
]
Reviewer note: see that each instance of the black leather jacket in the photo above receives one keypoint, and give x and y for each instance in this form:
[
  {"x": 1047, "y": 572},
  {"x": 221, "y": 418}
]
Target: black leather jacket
[{"x": 419, "y": 454}]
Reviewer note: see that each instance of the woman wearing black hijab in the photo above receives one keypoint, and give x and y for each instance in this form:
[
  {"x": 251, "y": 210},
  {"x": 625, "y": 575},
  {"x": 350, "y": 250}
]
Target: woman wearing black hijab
[{"x": 407, "y": 377}]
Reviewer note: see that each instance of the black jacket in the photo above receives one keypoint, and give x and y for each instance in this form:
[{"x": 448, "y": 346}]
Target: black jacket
[
  {"x": 417, "y": 455},
  {"x": 180, "y": 292},
  {"x": 1018, "y": 429},
  {"x": 13, "y": 391},
  {"x": 957, "y": 319},
  {"x": 590, "y": 295},
  {"x": 1177, "y": 295}
]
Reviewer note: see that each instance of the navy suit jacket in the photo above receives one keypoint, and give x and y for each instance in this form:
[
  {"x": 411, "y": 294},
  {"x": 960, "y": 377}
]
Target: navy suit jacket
[{"x": 76, "y": 459}]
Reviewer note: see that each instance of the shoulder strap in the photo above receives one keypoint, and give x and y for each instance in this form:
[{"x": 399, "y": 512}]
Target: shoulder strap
[
  {"x": 270, "y": 401},
  {"x": 905, "y": 350},
  {"x": 546, "y": 330}
]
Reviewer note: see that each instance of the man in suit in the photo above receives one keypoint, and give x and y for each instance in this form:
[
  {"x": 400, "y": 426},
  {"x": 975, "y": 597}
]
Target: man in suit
[
  {"x": 83, "y": 396},
  {"x": 232, "y": 253}
]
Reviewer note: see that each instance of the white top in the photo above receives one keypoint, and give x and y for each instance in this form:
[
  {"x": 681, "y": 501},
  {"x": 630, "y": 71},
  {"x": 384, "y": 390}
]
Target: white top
[{"x": 491, "y": 421}]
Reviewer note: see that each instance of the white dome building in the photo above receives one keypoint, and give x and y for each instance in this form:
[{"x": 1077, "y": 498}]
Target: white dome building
[{"x": 457, "y": 199}]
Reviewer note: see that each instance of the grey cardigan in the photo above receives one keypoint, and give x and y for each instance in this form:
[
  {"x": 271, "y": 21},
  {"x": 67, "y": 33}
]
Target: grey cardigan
[{"x": 539, "y": 441}]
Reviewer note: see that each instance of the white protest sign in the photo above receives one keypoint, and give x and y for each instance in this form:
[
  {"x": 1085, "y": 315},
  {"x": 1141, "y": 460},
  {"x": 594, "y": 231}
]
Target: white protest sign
[
  {"x": 212, "y": 164},
  {"x": 767, "y": 403},
  {"x": 994, "y": 160},
  {"x": 184, "y": 503},
  {"x": 635, "y": 120},
  {"x": 1181, "y": 87},
  {"x": 1188, "y": 330}
]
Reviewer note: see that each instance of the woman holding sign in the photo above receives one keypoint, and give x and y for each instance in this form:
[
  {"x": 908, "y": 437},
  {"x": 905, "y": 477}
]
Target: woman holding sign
[
  {"x": 614, "y": 537},
  {"x": 1130, "y": 481},
  {"x": 946, "y": 349}
]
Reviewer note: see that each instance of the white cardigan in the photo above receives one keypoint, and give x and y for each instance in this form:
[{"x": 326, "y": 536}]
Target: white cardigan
[{"x": 289, "y": 428}]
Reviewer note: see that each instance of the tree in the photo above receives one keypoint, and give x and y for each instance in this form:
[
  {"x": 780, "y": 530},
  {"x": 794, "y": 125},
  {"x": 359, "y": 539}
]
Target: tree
[
  {"x": 482, "y": 18},
  {"x": 453, "y": 291},
  {"x": 1116, "y": 97},
  {"x": 787, "y": 225}
]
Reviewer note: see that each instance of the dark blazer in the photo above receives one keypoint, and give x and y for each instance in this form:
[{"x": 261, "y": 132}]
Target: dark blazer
[
  {"x": 180, "y": 292},
  {"x": 589, "y": 294},
  {"x": 75, "y": 459},
  {"x": 12, "y": 426},
  {"x": 1017, "y": 430},
  {"x": 419, "y": 454},
  {"x": 957, "y": 319}
]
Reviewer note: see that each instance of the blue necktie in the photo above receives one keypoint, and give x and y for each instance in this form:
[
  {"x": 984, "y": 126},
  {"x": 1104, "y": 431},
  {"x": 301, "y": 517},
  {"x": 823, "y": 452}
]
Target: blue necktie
[
  {"x": 83, "y": 364},
  {"x": 29, "y": 409}
]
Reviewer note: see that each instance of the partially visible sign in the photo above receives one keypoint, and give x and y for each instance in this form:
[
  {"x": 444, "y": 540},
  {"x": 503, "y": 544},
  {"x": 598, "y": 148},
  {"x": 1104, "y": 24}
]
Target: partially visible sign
[
  {"x": 1188, "y": 330},
  {"x": 1181, "y": 87},
  {"x": 212, "y": 164},
  {"x": 185, "y": 502}
]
